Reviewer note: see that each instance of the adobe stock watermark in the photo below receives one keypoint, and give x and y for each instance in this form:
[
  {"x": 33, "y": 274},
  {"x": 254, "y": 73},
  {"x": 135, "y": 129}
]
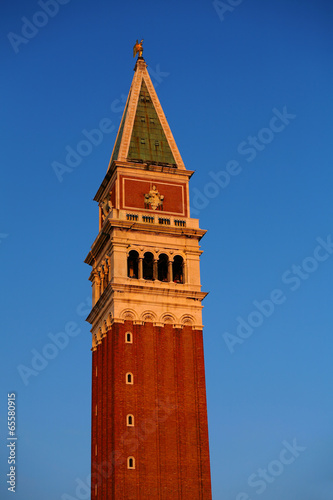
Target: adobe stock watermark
[
  {"x": 263, "y": 309},
  {"x": 262, "y": 478},
  {"x": 249, "y": 148},
  {"x": 130, "y": 440},
  {"x": 223, "y": 8},
  {"x": 94, "y": 137},
  {"x": 3, "y": 236},
  {"x": 56, "y": 343},
  {"x": 30, "y": 27}
]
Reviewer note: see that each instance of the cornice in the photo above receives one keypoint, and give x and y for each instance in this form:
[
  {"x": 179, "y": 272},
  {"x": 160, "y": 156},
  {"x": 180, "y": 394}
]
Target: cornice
[
  {"x": 98, "y": 245},
  {"x": 113, "y": 289},
  {"x": 141, "y": 167}
]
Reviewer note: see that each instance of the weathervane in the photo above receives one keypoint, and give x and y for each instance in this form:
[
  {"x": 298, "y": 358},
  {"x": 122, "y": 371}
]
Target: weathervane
[{"x": 138, "y": 48}]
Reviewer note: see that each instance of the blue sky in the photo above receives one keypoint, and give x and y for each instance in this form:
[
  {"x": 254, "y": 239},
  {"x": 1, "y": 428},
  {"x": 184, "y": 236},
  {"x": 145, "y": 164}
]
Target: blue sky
[{"x": 222, "y": 75}]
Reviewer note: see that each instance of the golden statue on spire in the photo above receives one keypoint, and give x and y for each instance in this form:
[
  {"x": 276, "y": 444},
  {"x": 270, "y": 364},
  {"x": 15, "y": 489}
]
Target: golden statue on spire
[{"x": 138, "y": 48}]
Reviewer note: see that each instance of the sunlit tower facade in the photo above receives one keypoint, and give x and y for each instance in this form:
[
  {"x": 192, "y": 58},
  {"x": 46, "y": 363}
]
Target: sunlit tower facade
[{"x": 149, "y": 415}]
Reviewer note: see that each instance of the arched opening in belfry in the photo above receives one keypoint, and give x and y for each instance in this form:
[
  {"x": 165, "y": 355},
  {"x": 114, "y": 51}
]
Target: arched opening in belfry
[
  {"x": 178, "y": 269},
  {"x": 162, "y": 267},
  {"x": 132, "y": 264},
  {"x": 148, "y": 266}
]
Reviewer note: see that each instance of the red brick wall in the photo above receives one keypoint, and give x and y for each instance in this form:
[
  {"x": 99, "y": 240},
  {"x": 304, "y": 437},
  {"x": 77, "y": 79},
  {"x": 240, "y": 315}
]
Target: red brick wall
[
  {"x": 168, "y": 400},
  {"x": 113, "y": 193},
  {"x": 93, "y": 419},
  {"x": 133, "y": 190}
]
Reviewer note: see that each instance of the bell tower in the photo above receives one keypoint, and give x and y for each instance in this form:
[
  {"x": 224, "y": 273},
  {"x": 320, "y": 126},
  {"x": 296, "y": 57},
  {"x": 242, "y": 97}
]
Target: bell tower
[{"x": 149, "y": 416}]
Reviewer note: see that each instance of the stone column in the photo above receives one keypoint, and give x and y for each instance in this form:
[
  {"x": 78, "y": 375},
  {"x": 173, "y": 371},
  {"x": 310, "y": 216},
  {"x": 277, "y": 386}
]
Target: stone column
[
  {"x": 100, "y": 218},
  {"x": 106, "y": 273},
  {"x": 109, "y": 268},
  {"x": 140, "y": 268},
  {"x": 183, "y": 272},
  {"x": 170, "y": 270},
  {"x": 101, "y": 273},
  {"x": 97, "y": 287},
  {"x": 155, "y": 271}
]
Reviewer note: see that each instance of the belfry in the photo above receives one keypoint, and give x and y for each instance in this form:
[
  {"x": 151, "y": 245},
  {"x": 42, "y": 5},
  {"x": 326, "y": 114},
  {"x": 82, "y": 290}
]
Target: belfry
[{"x": 149, "y": 437}]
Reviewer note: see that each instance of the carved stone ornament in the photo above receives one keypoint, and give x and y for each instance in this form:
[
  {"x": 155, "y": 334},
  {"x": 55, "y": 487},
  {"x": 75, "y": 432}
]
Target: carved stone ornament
[
  {"x": 106, "y": 205},
  {"x": 154, "y": 199}
]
